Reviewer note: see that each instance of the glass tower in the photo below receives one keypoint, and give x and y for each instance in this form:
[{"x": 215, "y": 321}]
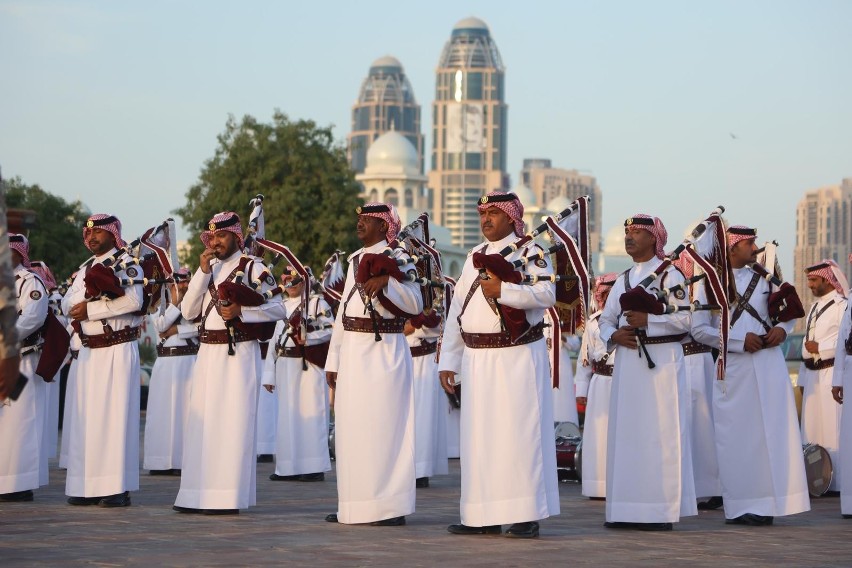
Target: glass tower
[
  {"x": 468, "y": 129},
  {"x": 386, "y": 102}
]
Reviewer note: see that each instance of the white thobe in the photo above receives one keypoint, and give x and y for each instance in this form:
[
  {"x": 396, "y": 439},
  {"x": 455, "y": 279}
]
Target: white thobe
[
  {"x": 758, "y": 444},
  {"x": 649, "y": 467},
  {"x": 842, "y": 377},
  {"x": 597, "y": 389},
  {"x": 23, "y": 465},
  {"x": 219, "y": 461},
  {"x": 564, "y": 396},
  {"x": 103, "y": 443},
  {"x": 373, "y": 405},
  {"x": 69, "y": 408},
  {"x": 508, "y": 450},
  {"x": 452, "y": 417},
  {"x": 301, "y": 440},
  {"x": 430, "y": 403},
  {"x": 820, "y": 413},
  {"x": 168, "y": 394}
]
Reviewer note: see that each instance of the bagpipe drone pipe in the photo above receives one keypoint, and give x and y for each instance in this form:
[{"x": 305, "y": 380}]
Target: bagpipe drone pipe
[{"x": 784, "y": 303}]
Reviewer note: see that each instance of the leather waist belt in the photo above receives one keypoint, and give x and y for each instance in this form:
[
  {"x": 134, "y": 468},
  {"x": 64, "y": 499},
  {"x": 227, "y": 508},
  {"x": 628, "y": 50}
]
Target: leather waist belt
[
  {"x": 502, "y": 339},
  {"x": 220, "y": 336},
  {"x": 294, "y": 352},
  {"x": 32, "y": 339},
  {"x": 176, "y": 351},
  {"x": 365, "y": 325},
  {"x": 813, "y": 365},
  {"x": 695, "y": 347},
  {"x": 425, "y": 348},
  {"x": 125, "y": 335},
  {"x": 663, "y": 339},
  {"x": 601, "y": 368}
]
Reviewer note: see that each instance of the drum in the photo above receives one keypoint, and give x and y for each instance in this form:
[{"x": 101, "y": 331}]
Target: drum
[
  {"x": 331, "y": 440},
  {"x": 818, "y": 469},
  {"x": 569, "y": 451}
]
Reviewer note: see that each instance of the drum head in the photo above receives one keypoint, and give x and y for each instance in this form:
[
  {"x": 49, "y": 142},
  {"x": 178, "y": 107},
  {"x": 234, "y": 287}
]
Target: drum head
[
  {"x": 567, "y": 430},
  {"x": 818, "y": 469}
]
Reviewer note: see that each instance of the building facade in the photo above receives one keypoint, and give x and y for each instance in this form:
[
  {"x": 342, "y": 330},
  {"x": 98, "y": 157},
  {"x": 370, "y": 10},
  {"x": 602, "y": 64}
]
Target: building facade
[
  {"x": 469, "y": 130},
  {"x": 386, "y": 102}
]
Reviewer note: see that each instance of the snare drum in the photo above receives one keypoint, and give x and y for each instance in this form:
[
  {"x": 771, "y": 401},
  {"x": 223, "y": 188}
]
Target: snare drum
[
  {"x": 818, "y": 469},
  {"x": 569, "y": 451}
]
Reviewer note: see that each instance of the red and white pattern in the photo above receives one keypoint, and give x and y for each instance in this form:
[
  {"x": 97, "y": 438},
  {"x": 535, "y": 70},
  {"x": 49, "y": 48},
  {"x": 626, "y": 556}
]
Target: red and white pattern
[
  {"x": 390, "y": 217},
  {"x": 734, "y": 238},
  {"x": 236, "y": 228},
  {"x": 657, "y": 229},
  {"x": 114, "y": 228},
  {"x": 514, "y": 209},
  {"x": 830, "y": 270},
  {"x": 20, "y": 244}
]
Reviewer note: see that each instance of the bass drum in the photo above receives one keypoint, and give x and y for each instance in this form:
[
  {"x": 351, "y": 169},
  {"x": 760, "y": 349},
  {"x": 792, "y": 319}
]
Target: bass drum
[
  {"x": 818, "y": 469},
  {"x": 569, "y": 451}
]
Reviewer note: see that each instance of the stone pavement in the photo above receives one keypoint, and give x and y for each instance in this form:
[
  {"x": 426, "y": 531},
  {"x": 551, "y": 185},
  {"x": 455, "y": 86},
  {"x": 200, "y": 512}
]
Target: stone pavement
[{"x": 287, "y": 528}]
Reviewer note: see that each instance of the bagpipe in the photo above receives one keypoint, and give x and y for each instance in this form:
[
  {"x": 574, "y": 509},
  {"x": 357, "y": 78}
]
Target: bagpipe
[
  {"x": 569, "y": 232},
  {"x": 296, "y": 323},
  {"x": 706, "y": 249},
  {"x": 332, "y": 281},
  {"x": 784, "y": 303}
]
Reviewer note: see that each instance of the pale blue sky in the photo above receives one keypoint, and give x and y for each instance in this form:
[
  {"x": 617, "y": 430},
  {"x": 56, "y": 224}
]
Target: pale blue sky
[{"x": 119, "y": 103}]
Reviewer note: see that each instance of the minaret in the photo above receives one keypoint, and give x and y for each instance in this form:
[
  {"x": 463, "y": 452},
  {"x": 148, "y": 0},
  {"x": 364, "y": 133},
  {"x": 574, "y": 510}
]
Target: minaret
[
  {"x": 468, "y": 129},
  {"x": 386, "y": 102}
]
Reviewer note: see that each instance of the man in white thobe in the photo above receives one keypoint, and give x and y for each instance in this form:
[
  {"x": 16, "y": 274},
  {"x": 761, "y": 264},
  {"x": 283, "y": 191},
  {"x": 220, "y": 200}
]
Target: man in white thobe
[
  {"x": 508, "y": 449},
  {"x": 842, "y": 380},
  {"x": 218, "y": 475},
  {"x": 649, "y": 482},
  {"x": 168, "y": 392},
  {"x": 294, "y": 373},
  {"x": 820, "y": 413},
  {"x": 23, "y": 466},
  {"x": 103, "y": 441},
  {"x": 757, "y": 436},
  {"x": 369, "y": 366}
]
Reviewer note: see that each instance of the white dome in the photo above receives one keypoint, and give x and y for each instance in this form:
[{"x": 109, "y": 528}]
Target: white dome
[
  {"x": 387, "y": 61},
  {"x": 471, "y": 23},
  {"x": 392, "y": 149},
  {"x": 558, "y": 204},
  {"x": 525, "y": 195}
]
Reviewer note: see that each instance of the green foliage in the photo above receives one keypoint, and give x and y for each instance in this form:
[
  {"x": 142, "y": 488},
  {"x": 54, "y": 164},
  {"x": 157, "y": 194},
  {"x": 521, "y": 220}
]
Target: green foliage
[
  {"x": 310, "y": 191},
  {"x": 147, "y": 353},
  {"x": 57, "y": 236}
]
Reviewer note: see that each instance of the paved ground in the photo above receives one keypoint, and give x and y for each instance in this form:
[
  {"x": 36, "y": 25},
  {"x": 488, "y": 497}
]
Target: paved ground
[{"x": 287, "y": 528}]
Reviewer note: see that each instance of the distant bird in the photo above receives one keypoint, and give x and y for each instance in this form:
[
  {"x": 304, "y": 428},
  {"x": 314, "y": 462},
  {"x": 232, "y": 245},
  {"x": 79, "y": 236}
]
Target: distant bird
[{"x": 734, "y": 136}]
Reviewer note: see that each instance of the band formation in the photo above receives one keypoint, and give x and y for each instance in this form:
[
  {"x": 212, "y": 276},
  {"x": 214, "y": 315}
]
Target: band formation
[{"x": 688, "y": 400}]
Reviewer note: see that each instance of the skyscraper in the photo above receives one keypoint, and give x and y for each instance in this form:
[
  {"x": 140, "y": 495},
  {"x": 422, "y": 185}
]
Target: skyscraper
[
  {"x": 823, "y": 230},
  {"x": 386, "y": 102},
  {"x": 468, "y": 129}
]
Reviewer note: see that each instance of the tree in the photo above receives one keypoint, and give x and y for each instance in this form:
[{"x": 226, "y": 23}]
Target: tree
[
  {"x": 57, "y": 224},
  {"x": 310, "y": 191}
]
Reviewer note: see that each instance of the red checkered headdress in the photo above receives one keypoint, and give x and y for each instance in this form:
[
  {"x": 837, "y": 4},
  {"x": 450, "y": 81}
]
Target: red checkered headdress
[
  {"x": 43, "y": 272},
  {"x": 654, "y": 226},
  {"x": 384, "y": 211},
  {"x": 109, "y": 223},
  {"x": 224, "y": 221},
  {"x": 830, "y": 270},
  {"x": 510, "y": 204},
  {"x": 21, "y": 245},
  {"x": 737, "y": 233},
  {"x": 603, "y": 284}
]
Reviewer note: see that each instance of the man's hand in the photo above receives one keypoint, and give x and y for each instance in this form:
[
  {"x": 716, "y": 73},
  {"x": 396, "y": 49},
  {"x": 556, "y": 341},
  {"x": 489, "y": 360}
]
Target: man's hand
[
  {"x": 636, "y": 319},
  {"x": 837, "y": 394},
  {"x": 812, "y": 347},
  {"x": 9, "y": 370},
  {"x": 269, "y": 388},
  {"x": 775, "y": 337},
  {"x": 448, "y": 381},
  {"x": 408, "y": 329},
  {"x": 331, "y": 378},
  {"x": 752, "y": 343},
  {"x": 491, "y": 286},
  {"x": 177, "y": 295},
  {"x": 204, "y": 260},
  {"x": 626, "y": 337},
  {"x": 231, "y": 311},
  {"x": 376, "y": 284},
  {"x": 80, "y": 312}
]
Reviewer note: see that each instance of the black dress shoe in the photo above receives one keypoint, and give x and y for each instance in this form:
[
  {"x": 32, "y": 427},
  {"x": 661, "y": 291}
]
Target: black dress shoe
[
  {"x": 220, "y": 511},
  {"x": 17, "y": 496},
  {"x": 392, "y": 522},
  {"x": 175, "y": 472},
  {"x": 523, "y": 530},
  {"x": 618, "y": 525},
  {"x": 186, "y": 510},
  {"x": 117, "y": 500},
  {"x": 711, "y": 504},
  {"x": 160, "y": 472},
  {"x": 421, "y": 482},
  {"x": 276, "y": 477},
  {"x": 331, "y": 518},
  {"x": 464, "y": 529},
  {"x": 846, "y": 516},
  {"x": 311, "y": 477},
  {"x": 751, "y": 520},
  {"x": 265, "y": 458},
  {"x": 652, "y": 526},
  {"x": 83, "y": 501}
]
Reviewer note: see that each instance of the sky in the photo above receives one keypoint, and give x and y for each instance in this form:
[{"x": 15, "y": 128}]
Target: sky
[{"x": 119, "y": 103}]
